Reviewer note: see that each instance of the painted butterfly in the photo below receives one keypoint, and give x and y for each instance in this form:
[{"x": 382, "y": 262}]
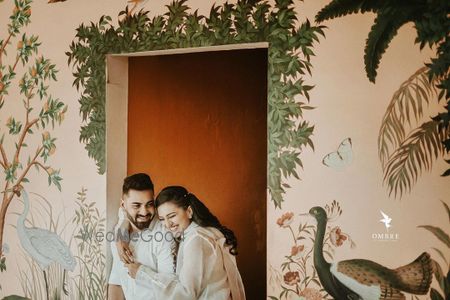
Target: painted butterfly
[{"x": 341, "y": 158}]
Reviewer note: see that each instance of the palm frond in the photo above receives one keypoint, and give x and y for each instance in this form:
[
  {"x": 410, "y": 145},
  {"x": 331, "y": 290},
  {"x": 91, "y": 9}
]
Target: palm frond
[
  {"x": 405, "y": 109},
  {"x": 415, "y": 154},
  {"x": 383, "y": 30},
  {"x": 340, "y": 8}
]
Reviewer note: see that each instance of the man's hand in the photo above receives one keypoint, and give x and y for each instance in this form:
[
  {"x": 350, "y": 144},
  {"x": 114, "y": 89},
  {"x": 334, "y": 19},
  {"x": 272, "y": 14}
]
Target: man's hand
[{"x": 132, "y": 269}]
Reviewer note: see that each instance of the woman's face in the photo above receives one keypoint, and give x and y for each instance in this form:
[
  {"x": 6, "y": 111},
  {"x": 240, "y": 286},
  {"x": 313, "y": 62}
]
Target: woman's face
[{"x": 175, "y": 218}]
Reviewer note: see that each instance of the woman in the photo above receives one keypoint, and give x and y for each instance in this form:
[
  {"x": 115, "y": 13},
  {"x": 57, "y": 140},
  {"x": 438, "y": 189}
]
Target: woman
[{"x": 206, "y": 266}]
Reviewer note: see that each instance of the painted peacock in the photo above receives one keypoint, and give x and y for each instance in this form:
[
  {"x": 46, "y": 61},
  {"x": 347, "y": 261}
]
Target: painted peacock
[{"x": 360, "y": 279}]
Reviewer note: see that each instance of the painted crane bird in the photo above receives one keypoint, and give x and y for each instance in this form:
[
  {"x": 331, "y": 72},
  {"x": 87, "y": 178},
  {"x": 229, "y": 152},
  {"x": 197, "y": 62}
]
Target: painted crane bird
[
  {"x": 360, "y": 279},
  {"x": 45, "y": 247}
]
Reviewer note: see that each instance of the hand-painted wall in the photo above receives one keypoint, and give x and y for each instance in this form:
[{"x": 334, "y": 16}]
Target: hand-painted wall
[{"x": 344, "y": 128}]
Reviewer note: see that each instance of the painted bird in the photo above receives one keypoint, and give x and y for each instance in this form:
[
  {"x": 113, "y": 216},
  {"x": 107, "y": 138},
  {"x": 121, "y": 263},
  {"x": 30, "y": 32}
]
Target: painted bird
[
  {"x": 45, "y": 247},
  {"x": 361, "y": 279}
]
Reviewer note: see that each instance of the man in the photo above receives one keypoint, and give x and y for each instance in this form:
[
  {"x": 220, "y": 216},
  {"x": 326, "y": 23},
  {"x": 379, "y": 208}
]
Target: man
[{"x": 149, "y": 242}]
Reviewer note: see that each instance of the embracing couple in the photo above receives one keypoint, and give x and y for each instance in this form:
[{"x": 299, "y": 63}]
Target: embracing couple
[{"x": 177, "y": 248}]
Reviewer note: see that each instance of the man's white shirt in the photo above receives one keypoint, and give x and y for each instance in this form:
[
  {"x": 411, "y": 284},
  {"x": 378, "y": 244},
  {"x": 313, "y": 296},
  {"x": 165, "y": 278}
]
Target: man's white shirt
[{"x": 153, "y": 248}]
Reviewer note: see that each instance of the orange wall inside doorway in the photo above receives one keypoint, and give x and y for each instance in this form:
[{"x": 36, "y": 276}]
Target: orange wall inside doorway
[{"x": 200, "y": 120}]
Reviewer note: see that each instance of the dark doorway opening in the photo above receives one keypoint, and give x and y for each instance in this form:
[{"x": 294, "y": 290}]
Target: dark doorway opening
[{"x": 200, "y": 120}]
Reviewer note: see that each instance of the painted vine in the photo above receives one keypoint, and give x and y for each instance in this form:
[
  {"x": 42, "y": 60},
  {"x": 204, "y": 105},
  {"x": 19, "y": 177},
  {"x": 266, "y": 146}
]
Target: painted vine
[{"x": 290, "y": 50}]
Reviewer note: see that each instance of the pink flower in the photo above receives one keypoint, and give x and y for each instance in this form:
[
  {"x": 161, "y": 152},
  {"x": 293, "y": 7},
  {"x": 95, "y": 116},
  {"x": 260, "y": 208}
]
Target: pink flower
[
  {"x": 296, "y": 250},
  {"x": 286, "y": 219},
  {"x": 311, "y": 294},
  {"x": 337, "y": 237},
  {"x": 291, "y": 278}
]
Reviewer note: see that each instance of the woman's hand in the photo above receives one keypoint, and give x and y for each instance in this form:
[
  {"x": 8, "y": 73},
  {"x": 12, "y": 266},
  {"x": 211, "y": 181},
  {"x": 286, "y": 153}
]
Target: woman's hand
[
  {"x": 132, "y": 269},
  {"x": 124, "y": 251}
]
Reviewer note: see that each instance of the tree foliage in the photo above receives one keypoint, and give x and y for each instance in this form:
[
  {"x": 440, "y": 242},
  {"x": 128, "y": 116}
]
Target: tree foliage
[
  {"x": 41, "y": 112},
  {"x": 432, "y": 23},
  {"x": 290, "y": 50}
]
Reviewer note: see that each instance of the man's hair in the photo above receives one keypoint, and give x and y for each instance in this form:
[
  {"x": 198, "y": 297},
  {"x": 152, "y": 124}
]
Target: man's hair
[{"x": 138, "y": 182}]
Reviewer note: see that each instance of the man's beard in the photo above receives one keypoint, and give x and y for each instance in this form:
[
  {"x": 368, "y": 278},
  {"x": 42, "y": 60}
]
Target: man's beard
[{"x": 143, "y": 225}]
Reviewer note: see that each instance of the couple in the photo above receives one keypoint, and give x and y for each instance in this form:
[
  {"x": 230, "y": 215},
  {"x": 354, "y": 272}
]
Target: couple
[{"x": 154, "y": 265}]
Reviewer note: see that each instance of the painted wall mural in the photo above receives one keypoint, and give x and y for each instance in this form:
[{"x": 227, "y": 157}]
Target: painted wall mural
[
  {"x": 243, "y": 22},
  {"x": 40, "y": 111},
  {"x": 405, "y": 154},
  {"x": 369, "y": 147}
]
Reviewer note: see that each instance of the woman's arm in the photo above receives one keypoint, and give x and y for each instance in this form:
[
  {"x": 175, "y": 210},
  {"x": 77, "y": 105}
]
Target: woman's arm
[{"x": 198, "y": 256}]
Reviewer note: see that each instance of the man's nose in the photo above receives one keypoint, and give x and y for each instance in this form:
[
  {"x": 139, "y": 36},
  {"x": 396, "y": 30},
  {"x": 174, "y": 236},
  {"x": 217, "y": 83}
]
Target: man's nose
[{"x": 143, "y": 211}]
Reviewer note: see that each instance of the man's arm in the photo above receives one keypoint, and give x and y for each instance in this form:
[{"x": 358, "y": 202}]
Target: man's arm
[{"x": 115, "y": 292}]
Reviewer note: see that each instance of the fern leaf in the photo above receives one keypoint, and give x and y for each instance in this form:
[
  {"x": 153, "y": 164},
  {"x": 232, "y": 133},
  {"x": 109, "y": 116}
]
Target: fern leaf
[
  {"x": 415, "y": 154},
  {"x": 340, "y": 8},
  {"x": 405, "y": 109},
  {"x": 382, "y": 32}
]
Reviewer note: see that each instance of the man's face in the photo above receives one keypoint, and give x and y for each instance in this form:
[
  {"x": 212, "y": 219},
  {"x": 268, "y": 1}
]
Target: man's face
[{"x": 140, "y": 206}]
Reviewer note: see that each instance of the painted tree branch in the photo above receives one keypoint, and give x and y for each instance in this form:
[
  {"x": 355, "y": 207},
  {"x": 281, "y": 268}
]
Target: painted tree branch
[
  {"x": 2, "y": 50},
  {"x": 13, "y": 69}
]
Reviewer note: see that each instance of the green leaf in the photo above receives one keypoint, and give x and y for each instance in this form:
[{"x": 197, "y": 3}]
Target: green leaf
[
  {"x": 434, "y": 294},
  {"x": 439, "y": 233}
]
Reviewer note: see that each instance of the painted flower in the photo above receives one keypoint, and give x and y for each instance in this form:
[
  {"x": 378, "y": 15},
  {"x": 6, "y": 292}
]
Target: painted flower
[
  {"x": 286, "y": 219},
  {"x": 311, "y": 294},
  {"x": 291, "y": 278},
  {"x": 46, "y": 135},
  {"x": 45, "y": 106},
  {"x": 52, "y": 150},
  {"x": 297, "y": 250},
  {"x": 337, "y": 237},
  {"x": 33, "y": 72}
]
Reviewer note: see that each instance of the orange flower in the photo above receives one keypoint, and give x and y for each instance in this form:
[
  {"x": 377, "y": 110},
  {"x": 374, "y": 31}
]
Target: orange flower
[
  {"x": 52, "y": 150},
  {"x": 296, "y": 250},
  {"x": 50, "y": 171},
  {"x": 28, "y": 12},
  {"x": 19, "y": 45},
  {"x": 291, "y": 278},
  {"x": 2, "y": 85},
  {"x": 337, "y": 237},
  {"x": 46, "y": 135},
  {"x": 33, "y": 72},
  {"x": 311, "y": 294},
  {"x": 45, "y": 106},
  {"x": 286, "y": 219}
]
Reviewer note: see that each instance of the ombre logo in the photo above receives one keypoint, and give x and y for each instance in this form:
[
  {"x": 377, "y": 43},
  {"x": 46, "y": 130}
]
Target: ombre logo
[{"x": 386, "y": 236}]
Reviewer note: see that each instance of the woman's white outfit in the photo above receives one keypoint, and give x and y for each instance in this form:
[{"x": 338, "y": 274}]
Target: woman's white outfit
[{"x": 205, "y": 269}]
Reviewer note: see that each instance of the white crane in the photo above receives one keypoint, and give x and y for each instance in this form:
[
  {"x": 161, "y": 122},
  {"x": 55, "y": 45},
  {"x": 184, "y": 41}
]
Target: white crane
[{"x": 44, "y": 246}]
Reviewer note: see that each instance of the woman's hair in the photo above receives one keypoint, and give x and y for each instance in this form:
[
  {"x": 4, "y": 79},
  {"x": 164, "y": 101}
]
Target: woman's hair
[{"x": 200, "y": 213}]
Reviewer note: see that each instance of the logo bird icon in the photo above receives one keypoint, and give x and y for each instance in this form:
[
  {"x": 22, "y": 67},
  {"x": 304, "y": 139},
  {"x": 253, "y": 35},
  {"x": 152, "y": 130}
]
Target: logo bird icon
[{"x": 386, "y": 220}]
